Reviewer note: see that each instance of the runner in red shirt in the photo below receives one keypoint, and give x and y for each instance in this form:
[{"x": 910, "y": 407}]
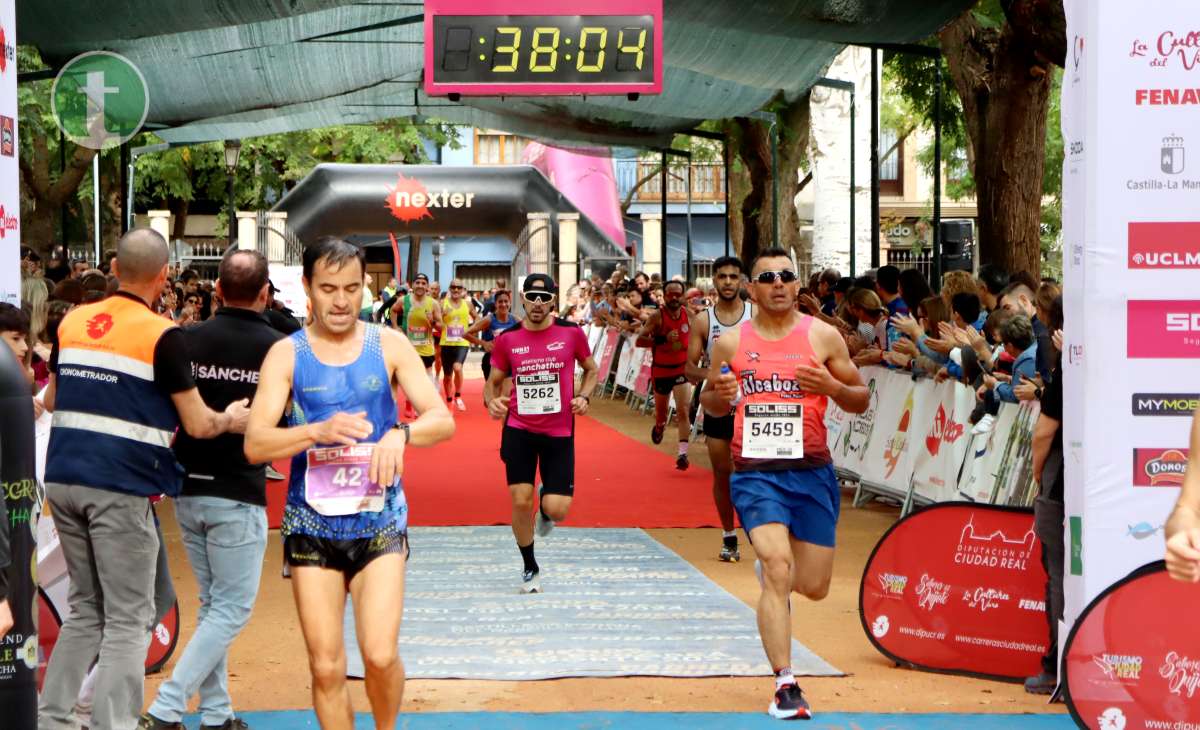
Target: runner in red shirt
[
  {"x": 539, "y": 354},
  {"x": 776, "y": 373},
  {"x": 667, "y": 331}
]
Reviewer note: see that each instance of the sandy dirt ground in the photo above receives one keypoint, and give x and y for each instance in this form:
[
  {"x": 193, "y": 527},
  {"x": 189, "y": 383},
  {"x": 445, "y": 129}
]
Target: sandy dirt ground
[{"x": 268, "y": 667}]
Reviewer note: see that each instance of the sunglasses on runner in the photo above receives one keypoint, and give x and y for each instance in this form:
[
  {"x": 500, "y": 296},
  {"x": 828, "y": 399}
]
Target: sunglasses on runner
[
  {"x": 787, "y": 276},
  {"x": 538, "y": 297}
]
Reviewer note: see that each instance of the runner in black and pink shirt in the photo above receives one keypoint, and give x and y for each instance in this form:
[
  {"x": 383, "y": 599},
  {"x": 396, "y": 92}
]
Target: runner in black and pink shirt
[{"x": 539, "y": 413}]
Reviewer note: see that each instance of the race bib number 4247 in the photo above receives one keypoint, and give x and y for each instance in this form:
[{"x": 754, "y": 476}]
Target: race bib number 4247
[
  {"x": 336, "y": 480},
  {"x": 773, "y": 431}
]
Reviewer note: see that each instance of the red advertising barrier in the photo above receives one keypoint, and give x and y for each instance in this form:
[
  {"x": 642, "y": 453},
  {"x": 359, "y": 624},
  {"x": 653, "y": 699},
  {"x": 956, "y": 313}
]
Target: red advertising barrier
[
  {"x": 1133, "y": 657},
  {"x": 959, "y": 587}
]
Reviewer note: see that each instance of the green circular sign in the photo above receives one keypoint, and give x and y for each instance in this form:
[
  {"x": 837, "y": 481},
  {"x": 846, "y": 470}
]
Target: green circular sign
[{"x": 100, "y": 99}]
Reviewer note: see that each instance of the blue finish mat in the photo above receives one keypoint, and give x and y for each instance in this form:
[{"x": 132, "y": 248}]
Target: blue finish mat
[
  {"x": 616, "y": 603},
  {"x": 289, "y": 720}
]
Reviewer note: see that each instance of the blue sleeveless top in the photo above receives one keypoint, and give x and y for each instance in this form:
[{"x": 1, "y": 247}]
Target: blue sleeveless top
[
  {"x": 318, "y": 392},
  {"x": 495, "y": 327}
]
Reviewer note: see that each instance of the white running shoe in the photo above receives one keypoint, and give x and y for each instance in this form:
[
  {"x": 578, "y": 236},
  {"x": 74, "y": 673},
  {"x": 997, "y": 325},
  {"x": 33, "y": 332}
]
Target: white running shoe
[
  {"x": 541, "y": 525},
  {"x": 985, "y": 425},
  {"x": 458, "y": 402},
  {"x": 530, "y": 582}
]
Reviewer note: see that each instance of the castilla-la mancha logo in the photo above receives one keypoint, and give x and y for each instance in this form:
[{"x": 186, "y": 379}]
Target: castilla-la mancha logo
[{"x": 411, "y": 201}]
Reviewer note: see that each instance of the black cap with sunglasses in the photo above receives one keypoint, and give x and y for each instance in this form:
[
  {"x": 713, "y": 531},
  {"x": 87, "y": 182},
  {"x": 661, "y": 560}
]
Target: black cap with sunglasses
[{"x": 539, "y": 284}]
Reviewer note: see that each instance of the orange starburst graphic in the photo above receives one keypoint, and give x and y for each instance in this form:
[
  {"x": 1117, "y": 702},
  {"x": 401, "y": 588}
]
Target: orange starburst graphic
[{"x": 409, "y": 200}]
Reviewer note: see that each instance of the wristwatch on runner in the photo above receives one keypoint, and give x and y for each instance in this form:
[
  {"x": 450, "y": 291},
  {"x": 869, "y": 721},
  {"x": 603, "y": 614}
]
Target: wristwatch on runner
[{"x": 406, "y": 429}]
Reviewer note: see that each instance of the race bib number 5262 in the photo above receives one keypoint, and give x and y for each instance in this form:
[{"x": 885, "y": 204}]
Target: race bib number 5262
[
  {"x": 773, "y": 431},
  {"x": 538, "y": 394}
]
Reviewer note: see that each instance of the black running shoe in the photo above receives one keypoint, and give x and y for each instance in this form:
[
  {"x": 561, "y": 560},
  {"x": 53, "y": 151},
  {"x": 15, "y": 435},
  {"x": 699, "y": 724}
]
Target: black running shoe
[
  {"x": 150, "y": 722},
  {"x": 530, "y": 582},
  {"x": 681, "y": 462},
  {"x": 656, "y": 434},
  {"x": 730, "y": 554},
  {"x": 789, "y": 704},
  {"x": 233, "y": 723}
]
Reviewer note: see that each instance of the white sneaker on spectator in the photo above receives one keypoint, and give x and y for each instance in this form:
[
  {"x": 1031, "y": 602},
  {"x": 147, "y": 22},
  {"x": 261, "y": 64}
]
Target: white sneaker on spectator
[{"x": 985, "y": 425}]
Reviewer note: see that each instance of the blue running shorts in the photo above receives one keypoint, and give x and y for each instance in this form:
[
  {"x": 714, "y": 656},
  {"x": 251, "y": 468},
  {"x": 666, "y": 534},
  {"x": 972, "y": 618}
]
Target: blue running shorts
[{"x": 808, "y": 501}]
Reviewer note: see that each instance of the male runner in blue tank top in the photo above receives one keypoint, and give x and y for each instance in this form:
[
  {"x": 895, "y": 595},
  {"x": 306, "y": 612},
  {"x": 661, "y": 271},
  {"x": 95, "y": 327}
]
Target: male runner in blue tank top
[{"x": 346, "y": 522}]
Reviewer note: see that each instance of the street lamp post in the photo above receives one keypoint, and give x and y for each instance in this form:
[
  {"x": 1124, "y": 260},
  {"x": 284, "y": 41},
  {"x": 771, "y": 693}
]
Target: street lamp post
[{"x": 233, "y": 149}]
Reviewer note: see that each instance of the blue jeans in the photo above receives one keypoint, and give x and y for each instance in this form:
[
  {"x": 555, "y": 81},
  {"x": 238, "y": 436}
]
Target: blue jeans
[{"x": 225, "y": 541}]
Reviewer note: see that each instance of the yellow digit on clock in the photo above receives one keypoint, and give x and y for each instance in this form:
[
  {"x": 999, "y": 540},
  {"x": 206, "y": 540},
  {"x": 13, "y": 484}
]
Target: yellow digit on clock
[{"x": 541, "y": 49}]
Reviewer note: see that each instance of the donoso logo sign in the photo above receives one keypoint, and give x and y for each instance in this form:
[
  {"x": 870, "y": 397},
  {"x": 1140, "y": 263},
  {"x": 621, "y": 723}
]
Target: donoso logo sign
[
  {"x": 1163, "y": 329},
  {"x": 1159, "y": 467},
  {"x": 1164, "y": 245}
]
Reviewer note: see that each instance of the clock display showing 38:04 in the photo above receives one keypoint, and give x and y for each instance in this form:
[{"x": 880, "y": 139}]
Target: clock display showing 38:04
[{"x": 522, "y": 49}]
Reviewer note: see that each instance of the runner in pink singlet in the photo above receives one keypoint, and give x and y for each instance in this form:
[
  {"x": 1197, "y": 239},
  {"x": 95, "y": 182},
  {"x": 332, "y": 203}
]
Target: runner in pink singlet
[{"x": 776, "y": 374}]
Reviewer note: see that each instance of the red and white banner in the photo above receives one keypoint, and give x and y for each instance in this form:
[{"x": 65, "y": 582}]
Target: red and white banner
[
  {"x": 943, "y": 446},
  {"x": 1133, "y": 658},
  {"x": 959, "y": 588},
  {"x": 10, "y": 150},
  {"x": 608, "y": 347}
]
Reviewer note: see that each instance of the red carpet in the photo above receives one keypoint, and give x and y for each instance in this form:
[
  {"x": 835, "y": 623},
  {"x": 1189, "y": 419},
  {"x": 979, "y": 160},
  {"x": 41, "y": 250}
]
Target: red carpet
[{"x": 620, "y": 482}]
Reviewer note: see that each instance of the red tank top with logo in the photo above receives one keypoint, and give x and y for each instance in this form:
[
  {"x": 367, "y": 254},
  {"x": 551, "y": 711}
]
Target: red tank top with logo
[
  {"x": 776, "y": 425},
  {"x": 670, "y": 358}
]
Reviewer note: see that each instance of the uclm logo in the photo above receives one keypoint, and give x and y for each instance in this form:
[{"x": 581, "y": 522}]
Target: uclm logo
[
  {"x": 411, "y": 201},
  {"x": 1159, "y": 467},
  {"x": 1165, "y": 329},
  {"x": 1164, "y": 245}
]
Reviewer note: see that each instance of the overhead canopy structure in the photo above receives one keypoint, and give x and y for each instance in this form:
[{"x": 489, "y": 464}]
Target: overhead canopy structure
[{"x": 225, "y": 69}]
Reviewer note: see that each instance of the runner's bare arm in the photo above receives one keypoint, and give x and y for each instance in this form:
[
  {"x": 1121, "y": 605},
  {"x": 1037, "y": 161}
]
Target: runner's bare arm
[
  {"x": 480, "y": 325},
  {"x": 699, "y": 337},
  {"x": 434, "y": 423},
  {"x": 645, "y": 337},
  {"x": 833, "y": 375},
  {"x": 497, "y": 403},
  {"x": 721, "y": 391},
  {"x": 1183, "y": 527},
  {"x": 265, "y": 439},
  {"x": 1043, "y": 439},
  {"x": 436, "y": 311},
  {"x": 202, "y": 422}
]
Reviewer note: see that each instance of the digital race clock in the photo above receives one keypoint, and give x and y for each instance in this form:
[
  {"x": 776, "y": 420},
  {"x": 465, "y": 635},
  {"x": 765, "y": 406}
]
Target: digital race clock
[{"x": 530, "y": 47}]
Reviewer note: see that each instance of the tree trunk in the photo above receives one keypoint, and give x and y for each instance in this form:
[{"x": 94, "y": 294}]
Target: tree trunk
[
  {"x": 41, "y": 196},
  {"x": 1002, "y": 78},
  {"x": 752, "y": 225},
  {"x": 414, "y": 258}
]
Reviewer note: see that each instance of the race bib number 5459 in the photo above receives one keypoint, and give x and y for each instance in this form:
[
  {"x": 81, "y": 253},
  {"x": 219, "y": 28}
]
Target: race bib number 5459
[
  {"x": 336, "y": 481},
  {"x": 773, "y": 431}
]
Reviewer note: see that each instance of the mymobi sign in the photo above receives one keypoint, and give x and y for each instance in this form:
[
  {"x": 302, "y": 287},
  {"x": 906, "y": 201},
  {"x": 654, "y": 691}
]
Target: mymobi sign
[
  {"x": 1165, "y": 404},
  {"x": 1164, "y": 245}
]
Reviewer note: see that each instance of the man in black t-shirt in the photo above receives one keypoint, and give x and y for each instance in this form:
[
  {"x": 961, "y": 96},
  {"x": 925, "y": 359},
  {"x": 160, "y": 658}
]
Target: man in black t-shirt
[
  {"x": 1049, "y": 514},
  {"x": 222, "y": 508}
]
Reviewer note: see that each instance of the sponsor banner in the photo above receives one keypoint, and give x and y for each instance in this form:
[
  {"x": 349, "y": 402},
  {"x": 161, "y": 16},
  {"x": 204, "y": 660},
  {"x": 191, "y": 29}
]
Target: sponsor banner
[
  {"x": 943, "y": 447},
  {"x": 10, "y": 186},
  {"x": 985, "y": 455},
  {"x": 885, "y": 451},
  {"x": 605, "y": 361},
  {"x": 1164, "y": 245},
  {"x": 1163, "y": 328},
  {"x": 628, "y": 363},
  {"x": 1165, "y": 404},
  {"x": 852, "y": 445},
  {"x": 1119, "y": 674},
  {"x": 642, "y": 385},
  {"x": 959, "y": 588},
  {"x": 1159, "y": 467}
]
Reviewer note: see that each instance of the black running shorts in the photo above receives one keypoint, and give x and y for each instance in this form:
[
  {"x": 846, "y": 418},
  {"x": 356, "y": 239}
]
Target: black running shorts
[
  {"x": 664, "y": 386},
  {"x": 453, "y": 355},
  {"x": 523, "y": 452},
  {"x": 718, "y": 427},
  {"x": 347, "y": 556},
  {"x": 428, "y": 360}
]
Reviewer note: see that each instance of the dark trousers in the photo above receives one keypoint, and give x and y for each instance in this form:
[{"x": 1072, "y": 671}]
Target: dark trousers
[{"x": 1048, "y": 524}]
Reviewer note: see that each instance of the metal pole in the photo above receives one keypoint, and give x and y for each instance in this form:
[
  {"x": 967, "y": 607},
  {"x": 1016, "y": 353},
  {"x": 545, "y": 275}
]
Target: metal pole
[
  {"x": 663, "y": 204},
  {"x": 687, "y": 268},
  {"x": 232, "y": 208},
  {"x": 874, "y": 160},
  {"x": 853, "y": 191},
  {"x": 936, "y": 267},
  {"x": 775, "y": 179},
  {"x": 96, "y": 203},
  {"x": 126, "y": 198},
  {"x": 725, "y": 184},
  {"x": 62, "y": 169}
]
